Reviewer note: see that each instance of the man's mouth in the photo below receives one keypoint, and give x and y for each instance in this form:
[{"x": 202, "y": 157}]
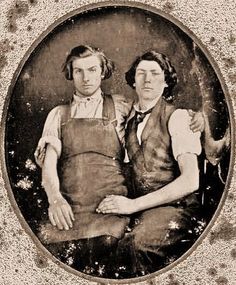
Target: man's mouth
[{"x": 147, "y": 88}]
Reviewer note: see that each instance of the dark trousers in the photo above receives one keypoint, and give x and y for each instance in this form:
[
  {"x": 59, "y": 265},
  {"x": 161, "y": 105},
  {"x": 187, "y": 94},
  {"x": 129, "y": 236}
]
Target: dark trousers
[{"x": 93, "y": 256}]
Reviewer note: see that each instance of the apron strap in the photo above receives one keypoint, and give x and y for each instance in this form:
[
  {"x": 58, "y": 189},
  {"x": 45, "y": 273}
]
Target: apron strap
[
  {"x": 65, "y": 113},
  {"x": 109, "y": 111}
]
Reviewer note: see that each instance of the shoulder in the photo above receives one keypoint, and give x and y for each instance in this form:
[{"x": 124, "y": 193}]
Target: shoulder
[
  {"x": 179, "y": 120},
  {"x": 58, "y": 110},
  {"x": 166, "y": 109},
  {"x": 122, "y": 103},
  {"x": 181, "y": 114},
  {"x": 56, "y": 114},
  {"x": 169, "y": 106}
]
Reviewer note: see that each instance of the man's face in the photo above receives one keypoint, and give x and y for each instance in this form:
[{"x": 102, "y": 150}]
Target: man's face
[
  {"x": 149, "y": 80},
  {"x": 87, "y": 75}
]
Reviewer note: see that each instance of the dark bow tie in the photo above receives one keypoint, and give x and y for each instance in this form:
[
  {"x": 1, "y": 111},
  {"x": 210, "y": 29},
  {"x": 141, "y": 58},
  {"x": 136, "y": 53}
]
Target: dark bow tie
[{"x": 139, "y": 116}]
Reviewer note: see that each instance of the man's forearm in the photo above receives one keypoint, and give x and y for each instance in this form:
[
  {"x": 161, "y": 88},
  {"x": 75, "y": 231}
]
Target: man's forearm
[
  {"x": 183, "y": 185},
  {"x": 175, "y": 190},
  {"x": 50, "y": 180}
]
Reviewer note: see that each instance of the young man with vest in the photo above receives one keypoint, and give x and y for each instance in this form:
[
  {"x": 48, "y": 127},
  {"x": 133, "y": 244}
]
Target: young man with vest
[{"x": 163, "y": 152}]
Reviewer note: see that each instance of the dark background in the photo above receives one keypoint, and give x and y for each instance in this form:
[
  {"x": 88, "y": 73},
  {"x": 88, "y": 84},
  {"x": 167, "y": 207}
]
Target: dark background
[{"x": 123, "y": 33}]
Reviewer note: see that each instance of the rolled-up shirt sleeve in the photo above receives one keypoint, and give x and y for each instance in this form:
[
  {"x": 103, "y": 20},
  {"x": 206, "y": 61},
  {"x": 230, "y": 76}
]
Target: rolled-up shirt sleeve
[
  {"x": 183, "y": 139},
  {"x": 52, "y": 131}
]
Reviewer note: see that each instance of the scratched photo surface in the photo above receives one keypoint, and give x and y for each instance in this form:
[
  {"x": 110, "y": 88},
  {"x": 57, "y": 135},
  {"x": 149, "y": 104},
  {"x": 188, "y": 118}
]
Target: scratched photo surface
[{"x": 122, "y": 33}]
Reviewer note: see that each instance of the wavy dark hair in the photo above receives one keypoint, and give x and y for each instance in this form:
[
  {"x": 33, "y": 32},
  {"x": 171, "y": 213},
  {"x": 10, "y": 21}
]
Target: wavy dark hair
[
  {"x": 83, "y": 51},
  {"x": 166, "y": 66}
]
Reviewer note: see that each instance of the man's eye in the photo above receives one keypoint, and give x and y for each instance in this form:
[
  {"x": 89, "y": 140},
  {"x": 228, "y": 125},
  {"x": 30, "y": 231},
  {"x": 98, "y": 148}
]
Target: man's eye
[
  {"x": 93, "y": 70},
  {"x": 140, "y": 73},
  {"x": 77, "y": 70}
]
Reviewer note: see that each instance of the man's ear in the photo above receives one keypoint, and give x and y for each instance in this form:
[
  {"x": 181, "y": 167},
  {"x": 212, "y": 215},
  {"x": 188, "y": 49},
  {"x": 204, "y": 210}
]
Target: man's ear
[{"x": 68, "y": 72}]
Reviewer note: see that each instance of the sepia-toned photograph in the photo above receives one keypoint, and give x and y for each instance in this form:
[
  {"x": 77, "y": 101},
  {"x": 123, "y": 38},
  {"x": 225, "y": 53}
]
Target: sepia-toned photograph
[{"x": 117, "y": 142}]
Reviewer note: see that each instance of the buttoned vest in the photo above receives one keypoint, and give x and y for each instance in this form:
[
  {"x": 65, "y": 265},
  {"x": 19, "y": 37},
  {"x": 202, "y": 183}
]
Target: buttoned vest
[{"x": 152, "y": 162}]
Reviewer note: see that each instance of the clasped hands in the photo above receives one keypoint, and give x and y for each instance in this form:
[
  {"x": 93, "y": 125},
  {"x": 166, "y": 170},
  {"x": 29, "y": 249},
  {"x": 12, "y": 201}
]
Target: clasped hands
[
  {"x": 61, "y": 215},
  {"x": 116, "y": 204}
]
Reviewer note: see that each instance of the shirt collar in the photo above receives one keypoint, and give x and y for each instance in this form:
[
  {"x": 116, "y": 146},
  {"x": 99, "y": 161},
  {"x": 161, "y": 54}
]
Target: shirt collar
[
  {"x": 150, "y": 105},
  {"x": 81, "y": 99}
]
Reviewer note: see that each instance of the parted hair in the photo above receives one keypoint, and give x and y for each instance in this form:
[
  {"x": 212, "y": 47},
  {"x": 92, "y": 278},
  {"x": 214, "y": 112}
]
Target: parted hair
[
  {"x": 166, "y": 66},
  {"x": 83, "y": 51}
]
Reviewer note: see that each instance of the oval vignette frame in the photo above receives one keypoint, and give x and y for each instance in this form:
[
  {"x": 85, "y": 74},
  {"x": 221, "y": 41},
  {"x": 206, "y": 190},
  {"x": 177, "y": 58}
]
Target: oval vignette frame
[{"x": 60, "y": 22}]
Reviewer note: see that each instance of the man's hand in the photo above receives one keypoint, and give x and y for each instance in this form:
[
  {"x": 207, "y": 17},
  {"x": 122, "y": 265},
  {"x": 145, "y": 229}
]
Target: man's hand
[
  {"x": 116, "y": 204},
  {"x": 39, "y": 155},
  {"x": 60, "y": 214},
  {"x": 197, "y": 121}
]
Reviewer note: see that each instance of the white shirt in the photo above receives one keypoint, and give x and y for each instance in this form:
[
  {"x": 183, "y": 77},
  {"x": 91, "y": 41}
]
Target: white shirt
[
  {"x": 87, "y": 107},
  {"x": 143, "y": 123}
]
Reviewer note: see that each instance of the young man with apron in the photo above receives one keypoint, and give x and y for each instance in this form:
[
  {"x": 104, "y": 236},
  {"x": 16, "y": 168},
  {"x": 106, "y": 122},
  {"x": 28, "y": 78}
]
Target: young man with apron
[{"x": 81, "y": 151}]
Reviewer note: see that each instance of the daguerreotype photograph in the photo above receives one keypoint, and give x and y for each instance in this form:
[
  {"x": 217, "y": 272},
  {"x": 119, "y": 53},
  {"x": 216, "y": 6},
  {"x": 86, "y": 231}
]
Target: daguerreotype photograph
[{"x": 117, "y": 141}]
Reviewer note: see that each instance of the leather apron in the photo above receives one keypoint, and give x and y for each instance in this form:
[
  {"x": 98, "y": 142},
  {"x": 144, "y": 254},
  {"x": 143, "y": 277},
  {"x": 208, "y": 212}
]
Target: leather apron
[{"x": 89, "y": 170}]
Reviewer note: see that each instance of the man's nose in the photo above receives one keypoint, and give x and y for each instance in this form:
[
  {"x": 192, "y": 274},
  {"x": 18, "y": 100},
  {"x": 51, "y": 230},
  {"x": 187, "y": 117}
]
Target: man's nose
[
  {"x": 85, "y": 77},
  {"x": 147, "y": 77}
]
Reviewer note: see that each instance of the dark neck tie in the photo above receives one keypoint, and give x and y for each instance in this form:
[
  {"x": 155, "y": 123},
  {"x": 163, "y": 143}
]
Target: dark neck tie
[
  {"x": 135, "y": 150},
  {"x": 139, "y": 116},
  {"x": 131, "y": 130}
]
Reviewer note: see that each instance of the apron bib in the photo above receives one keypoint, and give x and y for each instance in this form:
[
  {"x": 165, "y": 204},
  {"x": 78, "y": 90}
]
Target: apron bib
[{"x": 89, "y": 170}]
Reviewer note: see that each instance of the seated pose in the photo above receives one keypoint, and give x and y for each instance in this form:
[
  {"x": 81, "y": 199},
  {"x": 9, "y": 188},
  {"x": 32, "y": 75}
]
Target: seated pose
[
  {"x": 163, "y": 152},
  {"x": 80, "y": 152}
]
